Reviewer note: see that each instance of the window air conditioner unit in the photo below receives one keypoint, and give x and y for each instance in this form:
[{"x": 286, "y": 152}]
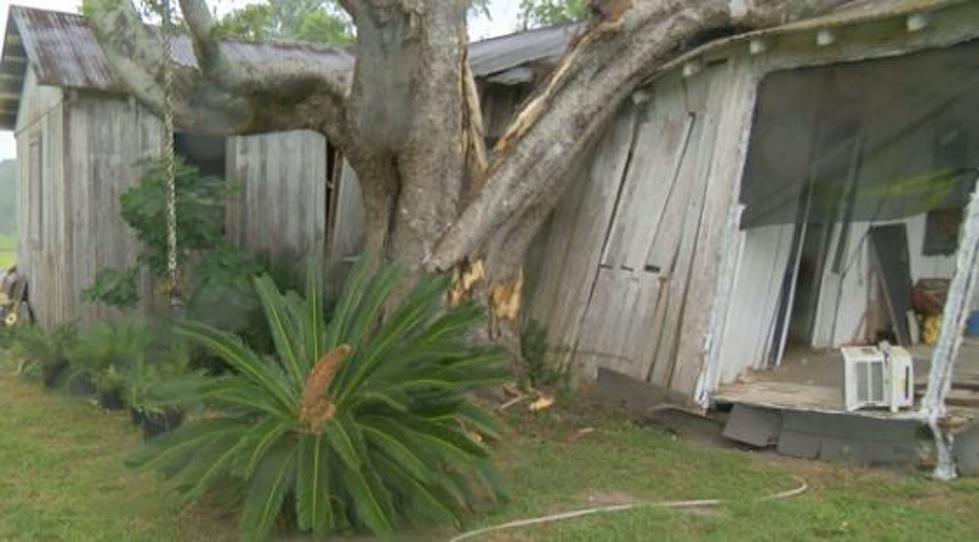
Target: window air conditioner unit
[{"x": 878, "y": 377}]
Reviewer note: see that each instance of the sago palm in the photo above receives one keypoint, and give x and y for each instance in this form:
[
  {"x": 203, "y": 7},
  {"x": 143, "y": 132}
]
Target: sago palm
[{"x": 357, "y": 423}]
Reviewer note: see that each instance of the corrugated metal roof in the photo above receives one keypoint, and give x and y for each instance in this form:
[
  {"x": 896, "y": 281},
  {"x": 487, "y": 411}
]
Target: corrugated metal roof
[
  {"x": 63, "y": 51},
  {"x": 503, "y": 53}
]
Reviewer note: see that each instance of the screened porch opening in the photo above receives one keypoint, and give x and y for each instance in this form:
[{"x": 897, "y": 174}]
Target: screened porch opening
[{"x": 854, "y": 188}]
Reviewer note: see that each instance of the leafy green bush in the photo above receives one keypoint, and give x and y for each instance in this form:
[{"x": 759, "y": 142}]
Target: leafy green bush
[
  {"x": 115, "y": 287},
  {"x": 353, "y": 424},
  {"x": 130, "y": 360},
  {"x": 223, "y": 279},
  {"x": 44, "y": 355},
  {"x": 200, "y": 227},
  {"x": 200, "y": 212},
  {"x": 216, "y": 272},
  {"x": 105, "y": 353},
  {"x": 534, "y": 355}
]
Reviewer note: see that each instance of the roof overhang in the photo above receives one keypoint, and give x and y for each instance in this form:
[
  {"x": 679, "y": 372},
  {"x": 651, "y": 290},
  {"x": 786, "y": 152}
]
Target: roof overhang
[
  {"x": 13, "y": 73},
  {"x": 860, "y": 29}
]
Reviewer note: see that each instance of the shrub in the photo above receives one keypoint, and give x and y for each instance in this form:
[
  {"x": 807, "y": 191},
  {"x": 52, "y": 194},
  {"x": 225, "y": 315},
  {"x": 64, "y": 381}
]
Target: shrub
[
  {"x": 128, "y": 361},
  {"x": 541, "y": 371},
  {"x": 105, "y": 353},
  {"x": 200, "y": 212},
  {"x": 44, "y": 355},
  {"x": 352, "y": 424},
  {"x": 115, "y": 287}
]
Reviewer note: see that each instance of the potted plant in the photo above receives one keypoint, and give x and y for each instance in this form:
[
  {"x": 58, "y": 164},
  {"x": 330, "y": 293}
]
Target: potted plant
[
  {"x": 105, "y": 353},
  {"x": 148, "y": 374},
  {"x": 44, "y": 355}
]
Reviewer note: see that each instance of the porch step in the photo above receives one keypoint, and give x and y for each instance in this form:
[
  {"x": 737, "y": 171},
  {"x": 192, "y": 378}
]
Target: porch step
[{"x": 832, "y": 437}]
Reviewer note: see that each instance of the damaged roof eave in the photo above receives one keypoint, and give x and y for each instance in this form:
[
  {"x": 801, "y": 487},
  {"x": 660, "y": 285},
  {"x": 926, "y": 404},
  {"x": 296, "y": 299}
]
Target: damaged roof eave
[
  {"x": 13, "y": 72},
  {"x": 914, "y": 17}
]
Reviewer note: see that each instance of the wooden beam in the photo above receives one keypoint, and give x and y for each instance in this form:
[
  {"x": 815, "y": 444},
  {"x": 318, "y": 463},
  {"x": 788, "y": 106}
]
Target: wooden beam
[{"x": 957, "y": 305}]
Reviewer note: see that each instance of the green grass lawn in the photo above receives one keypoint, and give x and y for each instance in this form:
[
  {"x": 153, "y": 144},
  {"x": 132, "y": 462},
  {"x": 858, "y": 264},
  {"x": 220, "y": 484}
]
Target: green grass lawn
[
  {"x": 8, "y": 250},
  {"x": 62, "y": 478}
]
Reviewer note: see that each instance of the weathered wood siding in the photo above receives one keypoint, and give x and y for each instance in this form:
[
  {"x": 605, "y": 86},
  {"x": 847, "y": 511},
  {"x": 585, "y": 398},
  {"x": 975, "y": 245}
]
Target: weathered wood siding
[
  {"x": 347, "y": 222},
  {"x": 281, "y": 204},
  {"x": 91, "y": 145},
  {"x": 41, "y": 234},
  {"x": 106, "y": 138},
  {"x": 631, "y": 255}
]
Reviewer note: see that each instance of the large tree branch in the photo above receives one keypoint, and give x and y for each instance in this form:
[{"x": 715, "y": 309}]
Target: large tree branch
[
  {"x": 618, "y": 51},
  {"x": 135, "y": 53},
  {"x": 222, "y": 95},
  {"x": 286, "y": 81}
]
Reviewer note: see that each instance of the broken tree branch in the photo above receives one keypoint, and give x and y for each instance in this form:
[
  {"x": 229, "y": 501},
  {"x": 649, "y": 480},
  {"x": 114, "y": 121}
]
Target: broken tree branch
[{"x": 620, "y": 50}]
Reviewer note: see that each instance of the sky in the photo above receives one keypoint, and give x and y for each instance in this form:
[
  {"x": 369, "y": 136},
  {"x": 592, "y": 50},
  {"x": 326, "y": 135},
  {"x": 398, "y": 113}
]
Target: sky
[{"x": 503, "y": 21}]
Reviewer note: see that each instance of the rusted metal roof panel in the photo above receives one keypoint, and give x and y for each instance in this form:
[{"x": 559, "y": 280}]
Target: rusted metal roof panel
[{"x": 63, "y": 51}]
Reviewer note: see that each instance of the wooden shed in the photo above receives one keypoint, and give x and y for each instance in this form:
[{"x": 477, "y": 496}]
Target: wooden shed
[{"x": 80, "y": 139}]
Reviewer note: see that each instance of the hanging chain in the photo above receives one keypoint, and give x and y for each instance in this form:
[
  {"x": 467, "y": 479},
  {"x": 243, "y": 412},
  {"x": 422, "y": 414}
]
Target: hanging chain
[{"x": 169, "y": 153}]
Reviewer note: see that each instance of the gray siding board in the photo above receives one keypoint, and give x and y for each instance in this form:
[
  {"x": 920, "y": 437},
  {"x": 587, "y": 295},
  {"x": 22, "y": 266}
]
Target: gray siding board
[
  {"x": 41, "y": 117},
  {"x": 574, "y": 248},
  {"x": 281, "y": 205},
  {"x": 108, "y": 139}
]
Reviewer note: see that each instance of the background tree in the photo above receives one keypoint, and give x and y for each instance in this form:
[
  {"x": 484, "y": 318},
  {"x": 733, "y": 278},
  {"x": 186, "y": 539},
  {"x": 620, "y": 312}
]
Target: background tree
[
  {"x": 406, "y": 114},
  {"x": 537, "y": 13},
  {"x": 320, "y": 21}
]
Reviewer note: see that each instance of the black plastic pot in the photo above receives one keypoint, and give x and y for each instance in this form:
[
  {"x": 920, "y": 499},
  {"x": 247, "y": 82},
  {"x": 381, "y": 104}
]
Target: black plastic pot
[
  {"x": 51, "y": 373},
  {"x": 111, "y": 400},
  {"x": 157, "y": 423}
]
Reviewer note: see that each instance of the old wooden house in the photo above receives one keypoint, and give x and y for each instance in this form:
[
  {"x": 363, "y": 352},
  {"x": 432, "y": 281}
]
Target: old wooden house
[
  {"x": 766, "y": 199},
  {"x": 763, "y": 200}
]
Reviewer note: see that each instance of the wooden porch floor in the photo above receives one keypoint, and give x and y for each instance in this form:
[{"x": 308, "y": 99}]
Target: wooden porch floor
[{"x": 812, "y": 381}]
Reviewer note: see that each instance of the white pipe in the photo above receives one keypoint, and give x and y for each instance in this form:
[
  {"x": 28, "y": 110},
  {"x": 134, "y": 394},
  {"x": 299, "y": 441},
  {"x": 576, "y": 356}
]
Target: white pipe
[{"x": 704, "y": 503}]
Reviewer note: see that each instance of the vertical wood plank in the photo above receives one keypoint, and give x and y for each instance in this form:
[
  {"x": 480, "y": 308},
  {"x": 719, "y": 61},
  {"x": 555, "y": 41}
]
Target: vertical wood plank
[
  {"x": 734, "y": 102},
  {"x": 579, "y": 228}
]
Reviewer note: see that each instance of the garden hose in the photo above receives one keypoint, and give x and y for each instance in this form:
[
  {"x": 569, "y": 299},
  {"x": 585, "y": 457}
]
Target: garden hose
[{"x": 706, "y": 503}]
